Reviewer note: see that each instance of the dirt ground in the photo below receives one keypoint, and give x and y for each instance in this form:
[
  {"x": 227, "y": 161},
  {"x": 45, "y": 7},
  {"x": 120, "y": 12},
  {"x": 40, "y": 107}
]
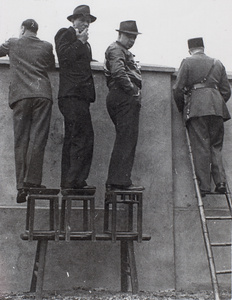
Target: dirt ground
[{"x": 90, "y": 294}]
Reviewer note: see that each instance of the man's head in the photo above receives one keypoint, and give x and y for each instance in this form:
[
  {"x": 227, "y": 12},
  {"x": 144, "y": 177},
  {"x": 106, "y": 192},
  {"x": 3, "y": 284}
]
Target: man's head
[
  {"x": 128, "y": 32},
  {"x": 29, "y": 25},
  {"x": 81, "y": 17},
  {"x": 196, "y": 45}
]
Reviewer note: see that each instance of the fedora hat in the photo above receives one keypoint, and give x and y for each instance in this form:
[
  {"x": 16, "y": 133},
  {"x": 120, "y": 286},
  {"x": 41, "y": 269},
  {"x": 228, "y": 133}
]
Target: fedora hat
[
  {"x": 129, "y": 27},
  {"x": 195, "y": 43},
  {"x": 82, "y": 10}
]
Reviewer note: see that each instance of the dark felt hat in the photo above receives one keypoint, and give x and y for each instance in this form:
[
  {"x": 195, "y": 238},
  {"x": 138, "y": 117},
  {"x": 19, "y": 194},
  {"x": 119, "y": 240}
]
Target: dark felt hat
[
  {"x": 195, "y": 43},
  {"x": 129, "y": 27},
  {"x": 82, "y": 10}
]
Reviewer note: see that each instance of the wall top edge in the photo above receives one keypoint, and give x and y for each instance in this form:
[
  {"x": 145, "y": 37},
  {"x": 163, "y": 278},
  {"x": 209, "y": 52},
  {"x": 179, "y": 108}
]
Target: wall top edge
[{"x": 98, "y": 66}]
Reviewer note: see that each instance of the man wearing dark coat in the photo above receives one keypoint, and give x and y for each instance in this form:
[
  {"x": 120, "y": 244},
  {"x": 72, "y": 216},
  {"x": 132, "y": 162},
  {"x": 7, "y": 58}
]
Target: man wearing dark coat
[
  {"x": 123, "y": 101},
  {"x": 76, "y": 92},
  {"x": 30, "y": 97},
  {"x": 201, "y": 91}
]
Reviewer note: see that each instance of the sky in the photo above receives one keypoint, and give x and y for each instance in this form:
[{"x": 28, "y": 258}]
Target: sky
[{"x": 166, "y": 25}]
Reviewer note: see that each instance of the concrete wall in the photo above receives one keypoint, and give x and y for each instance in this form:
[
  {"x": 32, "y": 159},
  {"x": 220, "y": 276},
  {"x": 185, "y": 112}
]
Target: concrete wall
[{"x": 173, "y": 259}]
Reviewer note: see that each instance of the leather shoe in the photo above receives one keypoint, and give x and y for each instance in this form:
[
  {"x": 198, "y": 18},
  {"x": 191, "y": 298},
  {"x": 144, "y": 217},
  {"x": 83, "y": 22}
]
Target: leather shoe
[
  {"x": 221, "y": 188},
  {"x": 21, "y": 196},
  {"x": 131, "y": 187}
]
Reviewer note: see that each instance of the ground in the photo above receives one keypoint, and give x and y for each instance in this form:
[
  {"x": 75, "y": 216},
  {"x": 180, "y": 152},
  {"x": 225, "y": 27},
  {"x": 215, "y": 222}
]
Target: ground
[{"x": 100, "y": 294}]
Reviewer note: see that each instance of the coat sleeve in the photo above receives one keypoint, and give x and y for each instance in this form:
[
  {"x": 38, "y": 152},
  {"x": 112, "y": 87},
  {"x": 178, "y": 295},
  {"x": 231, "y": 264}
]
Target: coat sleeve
[
  {"x": 224, "y": 86},
  {"x": 68, "y": 47},
  {"x": 180, "y": 84},
  {"x": 5, "y": 48}
]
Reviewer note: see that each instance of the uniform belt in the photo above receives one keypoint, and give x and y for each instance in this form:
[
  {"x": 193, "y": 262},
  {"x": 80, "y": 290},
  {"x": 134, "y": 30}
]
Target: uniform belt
[{"x": 204, "y": 85}]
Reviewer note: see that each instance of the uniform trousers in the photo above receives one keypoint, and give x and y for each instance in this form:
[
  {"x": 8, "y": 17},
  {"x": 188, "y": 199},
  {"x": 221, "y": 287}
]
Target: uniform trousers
[
  {"x": 206, "y": 137},
  {"x": 124, "y": 113},
  {"x": 78, "y": 143},
  {"x": 31, "y": 118}
]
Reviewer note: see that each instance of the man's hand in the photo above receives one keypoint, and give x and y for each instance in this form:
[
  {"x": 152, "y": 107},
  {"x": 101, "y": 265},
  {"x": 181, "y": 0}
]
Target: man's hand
[{"x": 82, "y": 36}]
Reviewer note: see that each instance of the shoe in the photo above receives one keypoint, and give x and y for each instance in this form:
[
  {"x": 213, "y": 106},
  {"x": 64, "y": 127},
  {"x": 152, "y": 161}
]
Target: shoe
[
  {"x": 131, "y": 187},
  {"x": 221, "y": 188},
  {"x": 34, "y": 186},
  {"x": 203, "y": 193},
  {"x": 21, "y": 196}
]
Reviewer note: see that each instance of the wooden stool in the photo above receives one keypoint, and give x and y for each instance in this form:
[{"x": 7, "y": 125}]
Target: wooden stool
[
  {"x": 87, "y": 196},
  {"x": 130, "y": 198},
  {"x": 50, "y": 195}
]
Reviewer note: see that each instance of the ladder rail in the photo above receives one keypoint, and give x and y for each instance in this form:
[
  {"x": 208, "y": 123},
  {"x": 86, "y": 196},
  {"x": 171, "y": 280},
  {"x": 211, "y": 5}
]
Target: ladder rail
[{"x": 204, "y": 225}]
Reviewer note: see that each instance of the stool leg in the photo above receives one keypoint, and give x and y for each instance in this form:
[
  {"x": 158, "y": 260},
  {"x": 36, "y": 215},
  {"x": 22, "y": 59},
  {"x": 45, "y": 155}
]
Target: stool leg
[
  {"x": 62, "y": 215},
  {"x": 85, "y": 215},
  {"x": 130, "y": 216},
  {"x": 106, "y": 214},
  {"x": 140, "y": 217},
  {"x": 67, "y": 219},
  {"x": 51, "y": 216},
  {"x": 35, "y": 269},
  {"x": 28, "y": 214},
  {"x": 124, "y": 267},
  {"x": 92, "y": 218},
  {"x": 41, "y": 268},
  {"x": 133, "y": 270},
  {"x": 31, "y": 217},
  {"x": 56, "y": 218},
  {"x": 114, "y": 217}
]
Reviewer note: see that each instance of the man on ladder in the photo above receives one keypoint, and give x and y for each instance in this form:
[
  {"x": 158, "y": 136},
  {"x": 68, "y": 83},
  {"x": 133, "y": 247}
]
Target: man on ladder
[{"x": 200, "y": 92}]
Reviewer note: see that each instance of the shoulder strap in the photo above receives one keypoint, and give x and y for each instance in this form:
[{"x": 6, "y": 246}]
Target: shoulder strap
[{"x": 210, "y": 71}]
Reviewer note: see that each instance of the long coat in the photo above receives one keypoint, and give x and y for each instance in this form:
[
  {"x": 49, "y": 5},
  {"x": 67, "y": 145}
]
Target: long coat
[{"x": 203, "y": 101}]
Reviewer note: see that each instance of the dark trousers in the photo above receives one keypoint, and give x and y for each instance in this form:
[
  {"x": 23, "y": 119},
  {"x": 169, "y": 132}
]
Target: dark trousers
[
  {"x": 206, "y": 137},
  {"x": 124, "y": 112},
  {"x": 78, "y": 142},
  {"x": 31, "y": 119}
]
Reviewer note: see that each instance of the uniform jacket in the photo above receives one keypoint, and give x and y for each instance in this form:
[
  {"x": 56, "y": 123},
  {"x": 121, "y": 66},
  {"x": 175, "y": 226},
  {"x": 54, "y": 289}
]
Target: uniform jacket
[
  {"x": 30, "y": 59},
  {"x": 74, "y": 60},
  {"x": 121, "y": 69},
  {"x": 203, "y": 101}
]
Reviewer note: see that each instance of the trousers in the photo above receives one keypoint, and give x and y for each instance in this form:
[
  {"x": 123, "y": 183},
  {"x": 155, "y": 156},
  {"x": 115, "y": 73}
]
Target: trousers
[
  {"x": 31, "y": 119},
  {"x": 124, "y": 112},
  {"x": 206, "y": 137},
  {"x": 78, "y": 143}
]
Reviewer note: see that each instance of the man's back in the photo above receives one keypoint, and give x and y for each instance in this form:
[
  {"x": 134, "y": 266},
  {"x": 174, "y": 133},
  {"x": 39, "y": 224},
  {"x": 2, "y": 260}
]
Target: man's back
[{"x": 30, "y": 59}]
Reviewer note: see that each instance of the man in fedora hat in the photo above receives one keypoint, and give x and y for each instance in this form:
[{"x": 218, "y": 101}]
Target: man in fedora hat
[
  {"x": 30, "y": 97},
  {"x": 201, "y": 91},
  {"x": 76, "y": 92},
  {"x": 123, "y": 104}
]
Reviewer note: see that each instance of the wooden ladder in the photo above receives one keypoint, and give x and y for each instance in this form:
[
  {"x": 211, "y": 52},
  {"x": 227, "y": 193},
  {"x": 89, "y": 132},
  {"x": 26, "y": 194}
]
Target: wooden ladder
[{"x": 204, "y": 224}]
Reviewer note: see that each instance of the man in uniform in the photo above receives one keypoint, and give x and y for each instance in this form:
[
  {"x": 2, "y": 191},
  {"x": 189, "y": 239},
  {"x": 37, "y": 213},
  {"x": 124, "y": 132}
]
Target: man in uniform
[
  {"x": 201, "y": 91},
  {"x": 30, "y": 97},
  {"x": 123, "y": 104},
  {"x": 76, "y": 92}
]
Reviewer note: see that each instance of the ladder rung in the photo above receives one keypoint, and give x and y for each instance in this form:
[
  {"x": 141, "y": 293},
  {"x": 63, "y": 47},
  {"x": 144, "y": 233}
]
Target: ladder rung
[
  {"x": 219, "y": 218},
  {"x": 221, "y": 244},
  {"x": 224, "y": 272}
]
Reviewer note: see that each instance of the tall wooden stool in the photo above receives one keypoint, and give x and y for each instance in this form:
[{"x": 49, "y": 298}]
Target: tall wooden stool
[
  {"x": 37, "y": 194},
  {"x": 114, "y": 198},
  {"x": 87, "y": 197}
]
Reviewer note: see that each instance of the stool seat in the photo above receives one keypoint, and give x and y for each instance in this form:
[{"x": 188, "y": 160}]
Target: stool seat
[
  {"x": 131, "y": 199},
  {"x": 73, "y": 192},
  {"x": 43, "y": 191}
]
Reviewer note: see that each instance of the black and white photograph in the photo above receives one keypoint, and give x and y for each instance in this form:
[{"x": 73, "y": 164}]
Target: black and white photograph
[{"x": 116, "y": 149}]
